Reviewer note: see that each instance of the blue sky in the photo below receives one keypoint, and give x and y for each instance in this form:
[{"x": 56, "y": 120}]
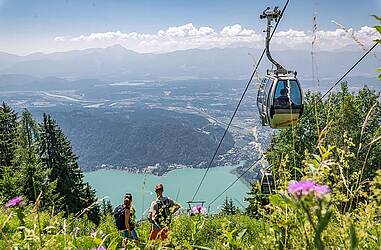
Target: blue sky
[{"x": 23, "y": 22}]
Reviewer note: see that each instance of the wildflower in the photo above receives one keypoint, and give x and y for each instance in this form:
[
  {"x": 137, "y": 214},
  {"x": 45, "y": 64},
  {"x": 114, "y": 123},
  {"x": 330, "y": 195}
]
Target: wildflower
[
  {"x": 321, "y": 190},
  {"x": 16, "y": 201},
  {"x": 305, "y": 187},
  {"x": 93, "y": 234},
  {"x": 199, "y": 209}
]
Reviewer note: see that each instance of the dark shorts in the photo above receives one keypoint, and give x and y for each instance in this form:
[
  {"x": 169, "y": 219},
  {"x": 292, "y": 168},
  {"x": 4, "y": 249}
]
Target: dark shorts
[{"x": 133, "y": 236}]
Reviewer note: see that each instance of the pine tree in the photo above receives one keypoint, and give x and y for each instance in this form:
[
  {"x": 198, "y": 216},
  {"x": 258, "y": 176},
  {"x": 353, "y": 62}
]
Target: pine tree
[
  {"x": 90, "y": 203},
  {"x": 33, "y": 179},
  {"x": 57, "y": 156},
  {"x": 228, "y": 207},
  {"x": 8, "y": 125},
  {"x": 256, "y": 200},
  {"x": 8, "y": 172},
  {"x": 106, "y": 208}
]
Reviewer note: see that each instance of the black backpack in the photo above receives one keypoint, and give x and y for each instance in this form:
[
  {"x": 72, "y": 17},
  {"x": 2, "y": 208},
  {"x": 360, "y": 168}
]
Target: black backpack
[
  {"x": 119, "y": 216},
  {"x": 164, "y": 214}
]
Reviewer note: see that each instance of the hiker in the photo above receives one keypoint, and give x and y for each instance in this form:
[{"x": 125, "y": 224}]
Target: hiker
[
  {"x": 160, "y": 214},
  {"x": 125, "y": 219}
]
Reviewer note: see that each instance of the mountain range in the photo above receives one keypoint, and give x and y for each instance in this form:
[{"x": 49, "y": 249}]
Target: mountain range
[{"x": 116, "y": 63}]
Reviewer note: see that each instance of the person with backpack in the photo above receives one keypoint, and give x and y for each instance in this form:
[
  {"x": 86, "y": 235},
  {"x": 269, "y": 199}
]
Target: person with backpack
[
  {"x": 160, "y": 214},
  {"x": 124, "y": 216}
]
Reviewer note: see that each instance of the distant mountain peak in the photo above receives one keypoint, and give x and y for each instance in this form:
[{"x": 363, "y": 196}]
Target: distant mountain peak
[
  {"x": 118, "y": 49},
  {"x": 116, "y": 46}
]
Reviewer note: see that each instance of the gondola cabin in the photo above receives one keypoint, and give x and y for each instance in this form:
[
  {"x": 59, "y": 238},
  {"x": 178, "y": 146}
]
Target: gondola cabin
[
  {"x": 266, "y": 181},
  {"x": 280, "y": 100}
]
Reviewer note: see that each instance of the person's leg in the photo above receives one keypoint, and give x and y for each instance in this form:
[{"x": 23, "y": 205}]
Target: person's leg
[
  {"x": 125, "y": 238},
  {"x": 164, "y": 233},
  {"x": 134, "y": 235},
  {"x": 153, "y": 234}
]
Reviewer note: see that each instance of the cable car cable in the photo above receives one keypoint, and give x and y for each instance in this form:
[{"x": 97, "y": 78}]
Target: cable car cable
[
  {"x": 341, "y": 78},
  {"x": 238, "y": 105},
  {"x": 239, "y": 177}
]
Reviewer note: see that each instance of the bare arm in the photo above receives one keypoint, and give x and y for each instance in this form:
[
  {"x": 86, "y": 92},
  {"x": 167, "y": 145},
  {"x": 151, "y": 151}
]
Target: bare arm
[
  {"x": 127, "y": 214},
  {"x": 151, "y": 213},
  {"x": 127, "y": 220}
]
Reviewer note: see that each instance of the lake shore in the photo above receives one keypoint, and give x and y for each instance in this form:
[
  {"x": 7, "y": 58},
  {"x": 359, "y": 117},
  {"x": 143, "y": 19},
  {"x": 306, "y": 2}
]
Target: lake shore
[
  {"x": 180, "y": 184},
  {"x": 159, "y": 170}
]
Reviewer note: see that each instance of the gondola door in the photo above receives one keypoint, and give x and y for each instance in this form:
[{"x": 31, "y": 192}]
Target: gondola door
[{"x": 286, "y": 103}]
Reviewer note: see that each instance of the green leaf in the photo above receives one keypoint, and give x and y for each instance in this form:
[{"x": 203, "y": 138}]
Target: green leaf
[
  {"x": 378, "y": 28},
  {"x": 326, "y": 154},
  {"x": 312, "y": 167},
  {"x": 317, "y": 157},
  {"x": 331, "y": 148},
  {"x": 276, "y": 200},
  {"x": 353, "y": 237},
  {"x": 98, "y": 241},
  {"x": 188, "y": 245},
  {"x": 323, "y": 149},
  {"x": 240, "y": 235},
  {"x": 113, "y": 244},
  {"x": 324, "y": 221},
  {"x": 377, "y": 17},
  {"x": 315, "y": 163}
]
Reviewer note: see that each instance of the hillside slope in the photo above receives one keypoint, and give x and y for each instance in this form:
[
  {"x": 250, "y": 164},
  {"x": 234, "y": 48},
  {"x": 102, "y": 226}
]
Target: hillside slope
[{"x": 140, "y": 137}]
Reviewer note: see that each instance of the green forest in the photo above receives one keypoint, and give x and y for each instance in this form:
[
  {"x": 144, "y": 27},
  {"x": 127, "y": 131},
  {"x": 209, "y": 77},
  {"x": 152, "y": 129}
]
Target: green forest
[{"x": 327, "y": 188}]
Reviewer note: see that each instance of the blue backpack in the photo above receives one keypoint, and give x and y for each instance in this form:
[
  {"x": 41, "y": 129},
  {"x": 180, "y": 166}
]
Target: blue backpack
[{"x": 119, "y": 216}]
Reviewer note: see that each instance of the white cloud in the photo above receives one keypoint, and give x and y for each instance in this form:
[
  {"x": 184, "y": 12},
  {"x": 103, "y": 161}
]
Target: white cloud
[
  {"x": 367, "y": 32},
  {"x": 187, "y": 30},
  {"x": 59, "y": 39},
  {"x": 234, "y": 30},
  {"x": 188, "y": 36}
]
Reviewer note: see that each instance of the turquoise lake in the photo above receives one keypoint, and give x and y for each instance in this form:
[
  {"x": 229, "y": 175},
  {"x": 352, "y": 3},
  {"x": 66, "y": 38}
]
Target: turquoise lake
[{"x": 179, "y": 184}]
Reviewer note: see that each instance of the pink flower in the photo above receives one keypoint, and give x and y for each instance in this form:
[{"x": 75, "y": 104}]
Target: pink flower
[
  {"x": 321, "y": 190},
  {"x": 17, "y": 201},
  {"x": 199, "y": 209},
  {"x": 305, "y": 187}
]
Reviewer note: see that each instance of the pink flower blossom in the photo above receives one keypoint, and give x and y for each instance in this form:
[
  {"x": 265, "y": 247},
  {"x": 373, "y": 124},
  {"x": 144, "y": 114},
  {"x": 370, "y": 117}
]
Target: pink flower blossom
[
  {"x": 305, "y": 187},
  {"x": 321, "y": 190},
  {"x": 199, "y": 209},
  {"x": 17, "y": 201}
]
